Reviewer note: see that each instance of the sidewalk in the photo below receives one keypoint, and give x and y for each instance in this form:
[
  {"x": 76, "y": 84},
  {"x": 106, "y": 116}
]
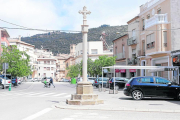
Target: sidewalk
[{"x": 120, "y": 102}]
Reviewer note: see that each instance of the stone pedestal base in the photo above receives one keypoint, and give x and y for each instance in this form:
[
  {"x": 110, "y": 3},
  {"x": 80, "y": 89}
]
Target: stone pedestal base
[{"x": 84, "y": 95}]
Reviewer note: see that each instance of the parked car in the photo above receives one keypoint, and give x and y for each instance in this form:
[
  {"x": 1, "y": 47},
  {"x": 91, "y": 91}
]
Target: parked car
[
  {"x": 19, "y": 80},
  {"x": 99, "y": 82},
  {"x": 151, "y": 86},
  {"x": 91, "y": 79},
  {"x": 65, "y": 80},
  {"x": 119, "y": 82},
  {"x": 30, "y": 79},
  {"x": 5, "y": 81}
]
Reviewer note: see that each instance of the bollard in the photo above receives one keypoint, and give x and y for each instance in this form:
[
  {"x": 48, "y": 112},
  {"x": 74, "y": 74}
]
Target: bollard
[{"x": 10, "y": 87}]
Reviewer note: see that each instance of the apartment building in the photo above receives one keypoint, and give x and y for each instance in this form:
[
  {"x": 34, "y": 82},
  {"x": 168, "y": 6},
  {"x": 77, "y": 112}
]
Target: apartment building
[
  {"x": 121, "y": 51},
  {"x": 94, "y": 50},
  {"x": 157, "y": 19},
  {"x": 61, "y": 65},
  {"x": 133, "y": 46},
  {"x": 45, "y": 64},
  {"x": 23, "y": 46},
  {"x": 4, "y": 39}
]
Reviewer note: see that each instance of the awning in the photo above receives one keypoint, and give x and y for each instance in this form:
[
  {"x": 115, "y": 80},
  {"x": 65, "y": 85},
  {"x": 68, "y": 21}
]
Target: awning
[
  {"x": 162, "y": 69},
  {"x": 123, "y": 71},
  {"x": 132, "y": 70}
]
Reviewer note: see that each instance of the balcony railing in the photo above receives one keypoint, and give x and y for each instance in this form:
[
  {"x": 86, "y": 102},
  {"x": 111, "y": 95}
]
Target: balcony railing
[
  {"x": 131, "y": 41},
  {"x": 156, "y": 19},
  {"x": 148, "y": 4},
  {"x": 120, "y": 55},
  {"x": 141, "y": 53},
  {"x": 132, "y": 61}
]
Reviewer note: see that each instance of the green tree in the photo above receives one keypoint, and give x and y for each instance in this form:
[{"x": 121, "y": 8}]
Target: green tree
[
  {"x": 73, "y": 71},
  {"x": 18, "y": 61},
  {"x": 103, "y": 61}
]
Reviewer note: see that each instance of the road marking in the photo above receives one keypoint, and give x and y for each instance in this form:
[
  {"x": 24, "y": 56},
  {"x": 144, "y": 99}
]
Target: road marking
[
  {"x": 59, "y": 94},
  {"x": 46, "y": 94},
  {"x": 38, "y": 114}
]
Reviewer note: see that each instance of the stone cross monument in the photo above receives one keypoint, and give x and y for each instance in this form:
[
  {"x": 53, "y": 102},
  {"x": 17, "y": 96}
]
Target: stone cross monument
[
  {"x": 84, "y": 90},
  {"x": 84, "y": 31}
]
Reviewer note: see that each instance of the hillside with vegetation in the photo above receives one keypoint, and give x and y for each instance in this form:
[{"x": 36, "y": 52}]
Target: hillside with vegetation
[{"x": 59, "y": 42}]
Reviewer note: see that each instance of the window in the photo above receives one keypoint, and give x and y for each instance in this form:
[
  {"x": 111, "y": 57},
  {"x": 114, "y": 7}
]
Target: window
[
  {"x": 52, "y": 68},
  {"x": 148, "y": 16},
  {"x": 39, "y": 74},
  {"x": 71, "y": 47},
  {"x": 159, "y": 11},
  {"x": 133, "y": 33},
  {"x": 116, "y": 50},
  {"x": 161, "y": 81},
  {"x": 165, "y": 38},
  {"x": 44, "y": 68},
  {"x": 147, "y": 80},
  {"x": 143, "y": 26},
  {"x": 133, "y": 52},
  {"x": 94, "y": 51},
  {"x": 81, "y": 52},
  {"x": 150, "y": 41},
  {"x": 4, "y": 44},
  {"x": 39, "y": 68}
]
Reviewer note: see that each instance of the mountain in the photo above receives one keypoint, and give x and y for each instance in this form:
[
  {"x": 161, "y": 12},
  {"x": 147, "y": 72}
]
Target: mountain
[{"x": 59, "y": 42}]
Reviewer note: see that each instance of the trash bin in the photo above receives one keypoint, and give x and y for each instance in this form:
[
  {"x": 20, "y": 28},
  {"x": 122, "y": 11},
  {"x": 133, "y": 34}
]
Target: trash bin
[{"x": 73, "y": 81}]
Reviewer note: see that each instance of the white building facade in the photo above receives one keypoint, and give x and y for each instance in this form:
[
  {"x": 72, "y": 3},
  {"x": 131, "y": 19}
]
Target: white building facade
[{"x": 94, "y": 50}]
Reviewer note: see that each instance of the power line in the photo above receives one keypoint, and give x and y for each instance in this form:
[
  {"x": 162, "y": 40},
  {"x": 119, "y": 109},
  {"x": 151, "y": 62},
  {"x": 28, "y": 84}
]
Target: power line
[
  {"x": 43, "y": 30},
  {"x": 26, "y": 28}
]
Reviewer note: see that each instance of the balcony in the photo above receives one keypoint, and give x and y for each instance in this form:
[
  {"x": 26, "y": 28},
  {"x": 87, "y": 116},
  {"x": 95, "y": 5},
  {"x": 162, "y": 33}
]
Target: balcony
[
  {"x": 148, "y": 5},
  {"x": 132, "y": 61},
  {"x": 131, "y": 41},
  {"x": 120, "y": 55},
  {"x": 156, "y": 19},
  {"x": 141, "y": 53}
]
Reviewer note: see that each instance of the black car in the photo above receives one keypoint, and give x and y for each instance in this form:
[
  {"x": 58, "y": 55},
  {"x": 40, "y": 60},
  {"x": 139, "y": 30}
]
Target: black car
[
  {"x": 151, "y": 86},
  {"x": 119, "y": 82}
]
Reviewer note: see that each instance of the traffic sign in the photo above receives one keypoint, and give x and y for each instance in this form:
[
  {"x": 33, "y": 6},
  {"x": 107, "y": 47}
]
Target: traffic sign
[{"x": 5, "y": 66}]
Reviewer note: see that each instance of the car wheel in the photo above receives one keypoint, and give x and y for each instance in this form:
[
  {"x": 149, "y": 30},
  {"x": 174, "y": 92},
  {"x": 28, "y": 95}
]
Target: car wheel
[
  {"x": 177, "y": 97},
  {"x": 137, "y": 95},
  {"x": 116, "y": 87},
  {"x": 2, "y": 86}
]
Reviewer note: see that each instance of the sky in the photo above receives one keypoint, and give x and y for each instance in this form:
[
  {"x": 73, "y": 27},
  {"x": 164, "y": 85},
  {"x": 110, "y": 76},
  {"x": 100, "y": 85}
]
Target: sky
[{"x": 63, "y": 14}]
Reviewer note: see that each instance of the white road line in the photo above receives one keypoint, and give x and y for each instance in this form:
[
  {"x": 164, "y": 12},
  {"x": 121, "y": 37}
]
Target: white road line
[
  {"x": 38, "y": 114},
  {"x": 59, "y": 94},
  {"x": 46, "y": 94}
]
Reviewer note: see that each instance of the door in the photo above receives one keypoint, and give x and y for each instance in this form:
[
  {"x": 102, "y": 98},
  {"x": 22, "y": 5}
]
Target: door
[
  {"x": 163, "y": 89},
  {"x": 148, "y": 86}
]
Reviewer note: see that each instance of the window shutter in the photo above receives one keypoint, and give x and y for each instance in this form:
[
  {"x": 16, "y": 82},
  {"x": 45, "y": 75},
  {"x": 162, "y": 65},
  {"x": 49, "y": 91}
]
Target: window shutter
[
  {"x": 165, "y": 36},
  {"x": 148, "y": 39}
]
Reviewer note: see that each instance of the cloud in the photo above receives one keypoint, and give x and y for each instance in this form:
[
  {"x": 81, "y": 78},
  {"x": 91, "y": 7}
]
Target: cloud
[{"x": 63, "y": 14}]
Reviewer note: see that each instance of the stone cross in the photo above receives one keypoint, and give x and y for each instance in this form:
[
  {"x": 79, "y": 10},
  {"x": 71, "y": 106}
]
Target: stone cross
[{"x": 84, "y": 12}]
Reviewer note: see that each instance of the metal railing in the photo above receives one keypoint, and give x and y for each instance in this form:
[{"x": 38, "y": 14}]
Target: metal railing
[
  {"x": 131, "y": 41},
  {"x": 120, "y": 55},
  {"x": 132, "y": 61}
]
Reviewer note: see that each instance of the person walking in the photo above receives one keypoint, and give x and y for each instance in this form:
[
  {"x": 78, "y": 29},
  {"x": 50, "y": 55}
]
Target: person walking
[{"x": 51, "y": 82}]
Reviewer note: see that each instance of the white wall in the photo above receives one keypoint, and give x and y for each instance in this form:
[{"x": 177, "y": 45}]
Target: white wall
[{"x": 175, "y": 23}]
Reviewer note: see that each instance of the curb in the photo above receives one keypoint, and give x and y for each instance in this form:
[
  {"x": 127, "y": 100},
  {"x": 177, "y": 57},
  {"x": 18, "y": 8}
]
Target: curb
[{"x": 70, "y": 107}]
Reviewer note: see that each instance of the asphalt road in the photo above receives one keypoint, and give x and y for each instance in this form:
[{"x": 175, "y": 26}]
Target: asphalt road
[{"x": 31, "y": 101}]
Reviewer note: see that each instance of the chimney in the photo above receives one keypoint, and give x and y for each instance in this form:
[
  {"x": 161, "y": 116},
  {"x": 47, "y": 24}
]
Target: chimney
[{"x": 19, "y": 37}]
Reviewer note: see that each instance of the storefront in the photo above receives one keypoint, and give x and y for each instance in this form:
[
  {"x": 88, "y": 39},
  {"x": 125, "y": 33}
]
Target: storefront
[
  {"x": 120, "y": 72},
  {"x": 132, "y": 72}
]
